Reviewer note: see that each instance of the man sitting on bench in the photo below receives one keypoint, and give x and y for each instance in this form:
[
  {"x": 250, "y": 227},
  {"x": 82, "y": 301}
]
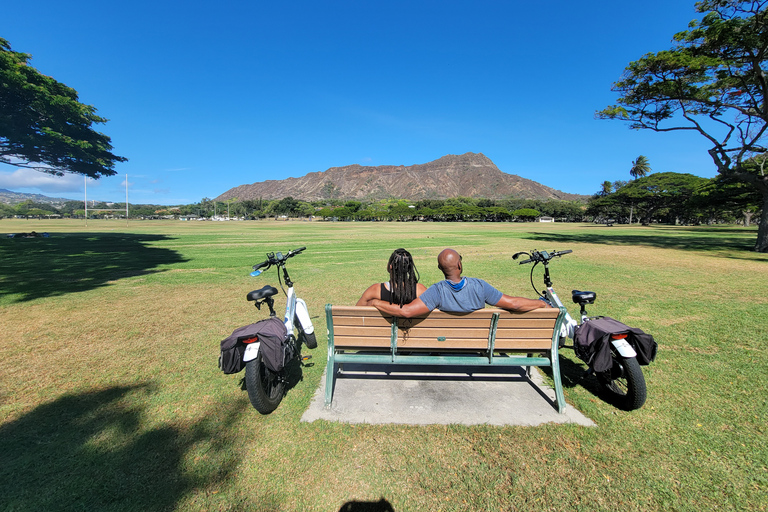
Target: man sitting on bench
[{"x": 457, "y": 294}]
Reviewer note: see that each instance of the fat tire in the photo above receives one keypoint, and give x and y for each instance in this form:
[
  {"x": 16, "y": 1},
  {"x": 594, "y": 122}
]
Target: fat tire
[
  {"x": 310, "y": 340},
  {"x": 627, "y": 390},
  {"x": 265, "y": 387}
]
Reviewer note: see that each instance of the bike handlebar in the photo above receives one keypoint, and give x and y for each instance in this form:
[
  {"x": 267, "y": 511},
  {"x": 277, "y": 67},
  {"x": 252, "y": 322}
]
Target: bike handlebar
[
  {"x": 539, "y": 256},
  {"x": 278, "y": 258}
]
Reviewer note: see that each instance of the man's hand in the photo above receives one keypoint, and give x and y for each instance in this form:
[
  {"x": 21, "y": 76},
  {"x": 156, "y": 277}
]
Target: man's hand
[{"x": 415, "y": 308}]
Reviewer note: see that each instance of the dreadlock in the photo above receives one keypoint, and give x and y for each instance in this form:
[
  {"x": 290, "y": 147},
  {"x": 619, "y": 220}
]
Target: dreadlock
[{"x": 403, "y": 277}]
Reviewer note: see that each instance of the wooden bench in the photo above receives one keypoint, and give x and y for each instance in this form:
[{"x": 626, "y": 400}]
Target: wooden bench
[{"x": 487, "y": 337}]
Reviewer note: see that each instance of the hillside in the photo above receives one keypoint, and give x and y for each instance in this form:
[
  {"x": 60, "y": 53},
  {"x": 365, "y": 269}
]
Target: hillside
[
  {"x": 467, "y": 175},
  {"x": 9, "y": 197}
]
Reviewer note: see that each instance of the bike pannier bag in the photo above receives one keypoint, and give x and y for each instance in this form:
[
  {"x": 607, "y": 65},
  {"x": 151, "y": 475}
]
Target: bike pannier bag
[
  {"x": 268, "y": 332},
  {"x": 592, "y": 344},
  {"x": 274, "y": 340}
]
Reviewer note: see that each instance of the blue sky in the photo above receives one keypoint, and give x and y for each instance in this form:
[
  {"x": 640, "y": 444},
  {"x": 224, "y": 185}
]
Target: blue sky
[{"x": 205, "y": 96}]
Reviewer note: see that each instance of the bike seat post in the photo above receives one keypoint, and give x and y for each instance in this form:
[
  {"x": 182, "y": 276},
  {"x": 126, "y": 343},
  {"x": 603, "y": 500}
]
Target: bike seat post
[{"x": 271, "y": 303}]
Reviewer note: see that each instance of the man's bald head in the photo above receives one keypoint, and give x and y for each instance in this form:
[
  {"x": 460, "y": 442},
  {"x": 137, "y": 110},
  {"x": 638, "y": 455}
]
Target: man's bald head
[{"x": 449, "y": 262}]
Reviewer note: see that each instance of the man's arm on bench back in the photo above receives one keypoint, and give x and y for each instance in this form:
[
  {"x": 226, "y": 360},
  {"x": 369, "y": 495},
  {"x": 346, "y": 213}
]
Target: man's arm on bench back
[{"x": 520, "y": 304}]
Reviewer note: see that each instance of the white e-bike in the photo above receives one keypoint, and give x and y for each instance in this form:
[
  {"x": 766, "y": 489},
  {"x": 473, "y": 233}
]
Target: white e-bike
[
  {"x": 623, "y": 381},
  {"x": 266, "y": 388}
]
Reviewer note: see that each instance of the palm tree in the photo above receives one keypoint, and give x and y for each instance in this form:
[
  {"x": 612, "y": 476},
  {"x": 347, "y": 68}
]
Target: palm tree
[{"x": 640, "y": 167}]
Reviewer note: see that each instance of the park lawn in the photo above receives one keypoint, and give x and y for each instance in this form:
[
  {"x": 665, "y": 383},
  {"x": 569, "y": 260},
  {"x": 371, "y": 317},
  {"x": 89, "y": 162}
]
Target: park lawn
[{"x": 110, "y": 398}]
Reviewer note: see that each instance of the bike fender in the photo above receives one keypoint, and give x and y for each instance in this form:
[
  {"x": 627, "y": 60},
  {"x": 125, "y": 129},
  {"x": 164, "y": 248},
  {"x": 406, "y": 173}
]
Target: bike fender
[
  {"x": 302, "y": 313},
  {"x": 568, "y": 328},
  {"x": 624, "y": 348},
  {"x": 251, "y": 351}
]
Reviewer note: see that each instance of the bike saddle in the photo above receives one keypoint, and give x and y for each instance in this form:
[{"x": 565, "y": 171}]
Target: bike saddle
[
  {"x": 583, "y": 297},
  {"x": 262, "y": 293}
]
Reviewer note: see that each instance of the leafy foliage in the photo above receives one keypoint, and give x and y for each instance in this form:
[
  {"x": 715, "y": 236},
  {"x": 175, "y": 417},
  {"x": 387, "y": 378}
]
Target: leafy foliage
[
  {"x": 43, "y": 126},
  {"x": 713, "y": 82},
  {"x": 640, "y": 167}
]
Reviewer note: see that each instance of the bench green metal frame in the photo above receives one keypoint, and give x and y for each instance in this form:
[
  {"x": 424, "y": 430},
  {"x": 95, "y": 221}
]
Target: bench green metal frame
[{"x": 491, "y": 356}]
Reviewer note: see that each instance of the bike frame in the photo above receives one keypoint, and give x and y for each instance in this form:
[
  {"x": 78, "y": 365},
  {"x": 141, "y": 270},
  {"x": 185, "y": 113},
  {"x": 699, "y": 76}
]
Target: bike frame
[
  {"x": 569, "y": 325},
  {"x": 295, "y": 309}
]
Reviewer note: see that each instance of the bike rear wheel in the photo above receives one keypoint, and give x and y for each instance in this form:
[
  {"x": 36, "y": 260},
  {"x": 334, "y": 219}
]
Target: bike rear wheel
[
  {"x": 265, "y": 387},
  {"x": 624, "y": 383}
]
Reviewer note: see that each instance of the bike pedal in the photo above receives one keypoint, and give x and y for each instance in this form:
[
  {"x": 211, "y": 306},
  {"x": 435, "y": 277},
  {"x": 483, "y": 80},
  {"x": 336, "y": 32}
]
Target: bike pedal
[{"x": 306, "y": 358}]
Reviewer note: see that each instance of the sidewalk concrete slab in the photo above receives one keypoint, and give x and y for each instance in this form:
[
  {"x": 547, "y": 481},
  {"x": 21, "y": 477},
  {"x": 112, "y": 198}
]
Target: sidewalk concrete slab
[{"x": 418, "y": 396}]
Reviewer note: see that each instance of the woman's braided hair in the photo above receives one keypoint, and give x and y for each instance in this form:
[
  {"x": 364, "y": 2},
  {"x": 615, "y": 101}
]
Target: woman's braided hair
[{"x": 403, "y": 277}]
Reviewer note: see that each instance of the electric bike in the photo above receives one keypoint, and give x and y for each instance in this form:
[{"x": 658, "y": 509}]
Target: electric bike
[
  {"x": 623, "y": 381},
  {"x": 266, "y": 387}
]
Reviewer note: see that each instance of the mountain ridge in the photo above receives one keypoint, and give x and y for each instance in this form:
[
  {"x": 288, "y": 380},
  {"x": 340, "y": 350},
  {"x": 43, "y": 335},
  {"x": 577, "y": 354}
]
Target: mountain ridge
[{"x": 468, "y": 175}]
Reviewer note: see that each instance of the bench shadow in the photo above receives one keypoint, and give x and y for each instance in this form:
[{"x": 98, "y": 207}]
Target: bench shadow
[
  {"x": 684, "y": 239},
  {"x": 88, "y": 451},
  {"x": 573, "y": 374},
  {"x": 449, "y": 373},
  {"x": 75, "y": 262}
]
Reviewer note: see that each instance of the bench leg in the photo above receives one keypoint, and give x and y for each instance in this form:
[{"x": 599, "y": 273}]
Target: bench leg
[
  {"x": 559, "y": 397},
  {"x": 330, "y": 376}
]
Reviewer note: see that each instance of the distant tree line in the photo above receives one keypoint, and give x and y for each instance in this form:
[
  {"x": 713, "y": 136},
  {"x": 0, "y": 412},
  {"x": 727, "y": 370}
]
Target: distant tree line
[{"x": 667, "y": 197}]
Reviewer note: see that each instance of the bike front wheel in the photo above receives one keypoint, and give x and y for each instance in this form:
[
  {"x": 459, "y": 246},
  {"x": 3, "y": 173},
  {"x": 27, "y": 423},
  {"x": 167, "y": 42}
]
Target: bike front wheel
[
  {"x": 624, "y": 383},
  {"x": 265, "y": 387}
]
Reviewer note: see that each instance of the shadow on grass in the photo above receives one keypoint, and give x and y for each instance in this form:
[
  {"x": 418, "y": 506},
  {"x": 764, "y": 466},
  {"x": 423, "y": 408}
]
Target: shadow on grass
[
  {"x": 66, "y": 263},
  {"x": 88, "y": 452},
  {"x": 691, "y": 239},
  {"x": 572, "y": 374}
]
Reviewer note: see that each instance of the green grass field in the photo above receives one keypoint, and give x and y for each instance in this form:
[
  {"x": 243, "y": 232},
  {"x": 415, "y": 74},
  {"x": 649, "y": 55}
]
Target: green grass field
[{"x": 110, "y": 398}]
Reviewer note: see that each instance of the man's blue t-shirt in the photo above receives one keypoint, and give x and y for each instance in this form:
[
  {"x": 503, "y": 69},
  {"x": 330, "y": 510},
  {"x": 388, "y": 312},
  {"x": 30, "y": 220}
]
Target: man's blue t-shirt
[{"x": 475, "y": 294}]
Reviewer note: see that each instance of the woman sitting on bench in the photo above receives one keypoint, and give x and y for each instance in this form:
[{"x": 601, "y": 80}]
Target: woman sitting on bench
[{"x": 403, "y": 286}]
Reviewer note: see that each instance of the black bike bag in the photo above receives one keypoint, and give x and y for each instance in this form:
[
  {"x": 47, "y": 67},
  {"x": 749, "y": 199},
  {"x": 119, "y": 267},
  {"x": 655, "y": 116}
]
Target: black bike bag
[
  {"x": 270, "y": 332},
  {"x": 592, "y": 343}
]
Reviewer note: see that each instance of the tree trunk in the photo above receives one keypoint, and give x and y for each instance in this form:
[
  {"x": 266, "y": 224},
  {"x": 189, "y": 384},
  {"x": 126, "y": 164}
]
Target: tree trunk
[{"x": 762, "y": 231}]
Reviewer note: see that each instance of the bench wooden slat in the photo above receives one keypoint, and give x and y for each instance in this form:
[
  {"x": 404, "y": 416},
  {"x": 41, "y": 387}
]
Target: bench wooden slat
[
  {"x": 523, "y": 333},
  {"x": 346, "y": 330},
  {"x": 520, "y": 344},
  {"x": 352, "y": 342},
  {"x": 449, "y": 343},
  {"x": 362, "y": 322}
]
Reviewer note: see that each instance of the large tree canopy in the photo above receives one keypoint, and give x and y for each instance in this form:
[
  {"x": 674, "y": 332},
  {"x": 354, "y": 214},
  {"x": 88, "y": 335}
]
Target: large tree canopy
[
  {"x": 713, "y": 81},
  {"x": 44, "y": 127}
]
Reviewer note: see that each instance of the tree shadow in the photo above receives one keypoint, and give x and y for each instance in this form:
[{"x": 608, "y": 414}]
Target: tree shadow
[
  {"x": 75, "y": 262},
  {"x": 87, "y": 452},
  {"x": 689, "y": 240}
]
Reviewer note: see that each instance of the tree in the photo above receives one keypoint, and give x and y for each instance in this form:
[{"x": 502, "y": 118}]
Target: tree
[
  {"x": 640, "y": 167},
  {"x": 722, "y": 197},
  {"x": 711, "y": 82},
  {"x": 669, "y": 192},
  {"x": 526, "y": 214},
  {"x": 44, "y": 127}
]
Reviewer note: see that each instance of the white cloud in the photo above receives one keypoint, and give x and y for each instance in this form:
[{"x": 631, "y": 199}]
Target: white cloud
[{"x": 40, "y": 182}]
